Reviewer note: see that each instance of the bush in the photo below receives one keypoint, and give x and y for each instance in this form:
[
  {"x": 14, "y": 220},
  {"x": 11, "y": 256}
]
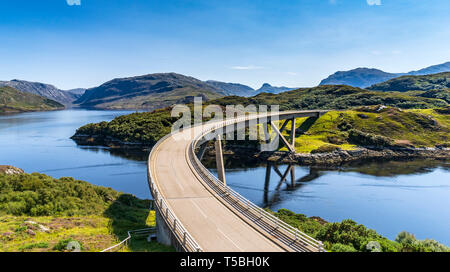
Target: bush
[
  {"x": 36, "y": 245},
  {"x": 409, "y": 243},
  {"x": 41, "y": 195},
  {"x": 342, "y": 248},
  {"x": 62, "y": 244}
]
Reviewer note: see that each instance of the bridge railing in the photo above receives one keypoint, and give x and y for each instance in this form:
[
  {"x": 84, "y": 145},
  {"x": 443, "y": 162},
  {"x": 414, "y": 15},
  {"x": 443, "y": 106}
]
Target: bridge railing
[
  {"x": 185, "y": 240},
  {"x": 288, "y": 235}
]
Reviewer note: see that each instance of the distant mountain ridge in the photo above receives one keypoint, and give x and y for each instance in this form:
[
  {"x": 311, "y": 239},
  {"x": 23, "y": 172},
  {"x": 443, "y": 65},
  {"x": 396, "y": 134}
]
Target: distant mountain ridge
[
  {"x": 45, "y": 90},
  {"x": 267, "y": 88},
  {"x": 149, "y": 92},
  {"x": 365, "y": 77},
  {"x": 233, "y": 88},
  {"x": 161, "y": 90}
]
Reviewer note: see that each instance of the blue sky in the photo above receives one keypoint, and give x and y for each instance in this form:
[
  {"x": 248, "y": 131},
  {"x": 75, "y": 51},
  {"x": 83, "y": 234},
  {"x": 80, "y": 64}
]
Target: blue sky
[{"x": 293, "y": 43}]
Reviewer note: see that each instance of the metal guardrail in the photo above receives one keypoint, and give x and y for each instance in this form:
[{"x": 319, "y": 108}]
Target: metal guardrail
[
  {"x": 127, "y": 240},
  {"x": 288, "y": 235},
  {"x": 185, "y": 240}
]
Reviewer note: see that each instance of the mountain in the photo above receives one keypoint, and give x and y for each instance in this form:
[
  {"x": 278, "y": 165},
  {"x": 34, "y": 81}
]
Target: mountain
[
  {"x": 360, "y": 77},
  {"x": 415, "y": 83},
  {"x": 435, "y": 69},
  {"x": 12, "y": 100},
  {"x": 148, "y": 92},
  {"x": 267, "y": 88},
  {"x": 232, "y": 88},
  {"x": 365, "y": 77},
  {"x": 45, "y": 90}
]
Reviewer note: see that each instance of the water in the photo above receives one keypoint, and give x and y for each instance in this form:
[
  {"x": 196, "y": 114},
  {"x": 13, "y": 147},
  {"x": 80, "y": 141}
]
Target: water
[
  {"x": 40, "y": 142},
  {"x": 388, "y": 197}
]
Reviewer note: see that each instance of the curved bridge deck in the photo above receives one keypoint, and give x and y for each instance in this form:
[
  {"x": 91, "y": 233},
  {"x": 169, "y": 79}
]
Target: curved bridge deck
[{"x": 211, "y": 217}]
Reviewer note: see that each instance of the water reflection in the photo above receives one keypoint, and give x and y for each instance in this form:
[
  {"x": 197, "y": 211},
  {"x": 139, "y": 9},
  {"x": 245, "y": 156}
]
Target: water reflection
[{"x": 389, "y": 196}]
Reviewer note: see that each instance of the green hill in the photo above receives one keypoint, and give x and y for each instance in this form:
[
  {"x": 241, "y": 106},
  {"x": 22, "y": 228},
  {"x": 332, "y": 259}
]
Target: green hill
[
  {"x": 12, "y": 100},
  {"x": 332, "y": 97},
  {"x": 415, "y": 83}
]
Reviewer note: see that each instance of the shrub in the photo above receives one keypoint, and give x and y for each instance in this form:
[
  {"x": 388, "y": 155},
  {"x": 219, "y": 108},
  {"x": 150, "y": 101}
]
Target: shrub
[
  {"x": 342, "y": 248},
  {"x": 36, "y": 245},
  {"x": 41, "y": 195},
  {"x": 62, "y": 244}
]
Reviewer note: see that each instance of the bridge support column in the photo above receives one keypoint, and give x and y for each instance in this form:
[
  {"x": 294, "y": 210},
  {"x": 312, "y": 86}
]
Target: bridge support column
[
  {"x": 219, "y": 160},
  {"x": 163, "y": 234},
  {"x": 293, "y": 132}
]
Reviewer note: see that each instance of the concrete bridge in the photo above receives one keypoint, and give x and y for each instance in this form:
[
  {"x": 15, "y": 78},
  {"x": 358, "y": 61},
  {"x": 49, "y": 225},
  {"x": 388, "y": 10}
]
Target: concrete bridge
[{"x": 195, "y": 211}]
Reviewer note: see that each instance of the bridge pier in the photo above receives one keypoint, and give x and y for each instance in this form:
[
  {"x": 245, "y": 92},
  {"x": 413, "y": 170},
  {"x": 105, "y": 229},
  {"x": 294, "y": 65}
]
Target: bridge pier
[
  {"x": 164, "y": 235},
  {"x": 219, "y": 160}
]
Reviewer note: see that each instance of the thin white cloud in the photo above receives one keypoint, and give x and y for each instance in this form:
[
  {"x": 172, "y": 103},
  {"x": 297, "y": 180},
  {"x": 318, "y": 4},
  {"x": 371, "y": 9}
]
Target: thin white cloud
[
  {"x": 374, "y": 2},
  {"x": 250, "y": 67},
  {"x": 292, "y": 73},
  {"x": 73, "y": 2}
]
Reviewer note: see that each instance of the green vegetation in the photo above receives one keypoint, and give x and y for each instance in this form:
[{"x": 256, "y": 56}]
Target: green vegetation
[
  {"x": 12, "y": 101},
  {"x": 375, "y": 126},
  {"x": 40, "y": 213},
  {"x": 348, "y": 236},
  {"x": 333, "y": 97},
  {"x": 362, "y": 122},
  {"x": 415, "y": 83},
  {"x": 146, "y": 128}
]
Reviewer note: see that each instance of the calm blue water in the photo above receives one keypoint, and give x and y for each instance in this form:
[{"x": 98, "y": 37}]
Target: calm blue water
[
  {"x": 394, "y": 197},
  {"x": 40, "y": 142},
  {"x": 388, "y": 197}
]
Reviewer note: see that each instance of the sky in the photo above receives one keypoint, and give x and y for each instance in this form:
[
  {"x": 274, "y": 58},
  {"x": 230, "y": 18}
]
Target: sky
[{"x": 295, "y": 43}]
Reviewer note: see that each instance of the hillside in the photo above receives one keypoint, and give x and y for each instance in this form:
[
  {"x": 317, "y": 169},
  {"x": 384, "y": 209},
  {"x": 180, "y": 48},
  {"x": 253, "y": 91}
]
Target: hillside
[
  {"x": 12, "y": 100},
  {"x": 232, "y": 88},
  {"x": 147, "y": 92},
  {"x": 45, "y": 90},
  {"x": 365, "y": 77},
  {"x": 375, "y": 126},
  {"x": 332, "y": 97},
  {"x": 40, "y": 213},
  {"x": 415, "y": 83}
]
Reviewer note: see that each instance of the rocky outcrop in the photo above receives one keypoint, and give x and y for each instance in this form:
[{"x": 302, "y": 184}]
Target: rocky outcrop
[{"x": 10, "y": 170}]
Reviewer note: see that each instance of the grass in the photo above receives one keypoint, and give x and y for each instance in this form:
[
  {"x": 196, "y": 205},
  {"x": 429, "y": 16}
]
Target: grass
[
  {"x": 12, "y": 100},
  {"x": 40, "y": 213},
  {"x": 415, "y": 127}
]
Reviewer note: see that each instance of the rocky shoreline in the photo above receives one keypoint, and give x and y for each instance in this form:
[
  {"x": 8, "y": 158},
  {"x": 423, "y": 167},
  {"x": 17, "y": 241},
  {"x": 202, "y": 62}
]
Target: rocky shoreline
[
  {"x": 343, "y": 156},
  {"x": 330, "y": 158}
]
